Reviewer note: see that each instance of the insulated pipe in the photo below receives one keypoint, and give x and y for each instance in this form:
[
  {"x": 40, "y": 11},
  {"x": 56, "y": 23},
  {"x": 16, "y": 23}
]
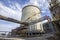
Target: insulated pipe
[
  {"x": 40, "y": 20},
  {"x": 11, "y": 20}
]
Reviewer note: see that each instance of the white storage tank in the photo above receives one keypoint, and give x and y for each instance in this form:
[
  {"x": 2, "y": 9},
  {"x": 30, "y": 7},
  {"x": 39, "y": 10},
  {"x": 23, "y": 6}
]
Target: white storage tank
[{"x": 30, "y": 13}]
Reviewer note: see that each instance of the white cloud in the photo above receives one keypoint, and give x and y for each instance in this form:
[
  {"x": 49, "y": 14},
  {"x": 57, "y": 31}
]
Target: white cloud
[
  {"x": 12, "y": 13},
  {"x": 9, "y": 12},
  {"x": 34, "y": 2},
  {"x": 42, "y": 4},
  {"x": 4, "y": 27},
  {"x": 39, "y": 2},
  {"x": 43, "y": 11},
  {"x": 18, "y": 6}
]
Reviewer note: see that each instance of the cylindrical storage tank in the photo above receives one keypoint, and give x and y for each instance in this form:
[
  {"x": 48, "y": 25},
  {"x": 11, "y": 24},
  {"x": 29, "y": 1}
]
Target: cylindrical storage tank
[{"x": 30, "y": 13}]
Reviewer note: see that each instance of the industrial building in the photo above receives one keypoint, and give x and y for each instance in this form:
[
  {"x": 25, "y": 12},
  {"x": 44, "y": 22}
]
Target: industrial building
[
  {"x": 55, "y": 9},
  {"x": 55, "y": 13},
  {"x": 33, "y": 26},
  {"x": 30, "y": 13}
]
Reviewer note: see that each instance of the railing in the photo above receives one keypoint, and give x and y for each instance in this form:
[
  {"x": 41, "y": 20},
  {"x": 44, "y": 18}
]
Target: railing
[{"x": 4, "y": 33}]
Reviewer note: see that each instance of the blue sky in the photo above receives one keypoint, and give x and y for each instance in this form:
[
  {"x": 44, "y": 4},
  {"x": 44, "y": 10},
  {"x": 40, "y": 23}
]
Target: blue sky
[{"x": 12, "y": 9}]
